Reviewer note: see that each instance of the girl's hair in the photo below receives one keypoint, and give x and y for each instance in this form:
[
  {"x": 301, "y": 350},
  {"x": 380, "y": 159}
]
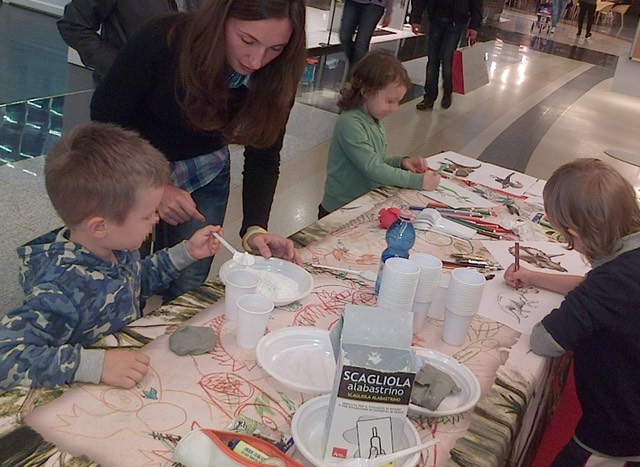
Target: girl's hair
[
  {"x": 203, "y": 73},
  {"x": 370, "y": 74},
  {"x": 97, "y": 170},
  {"x": 593, "y": 199}
]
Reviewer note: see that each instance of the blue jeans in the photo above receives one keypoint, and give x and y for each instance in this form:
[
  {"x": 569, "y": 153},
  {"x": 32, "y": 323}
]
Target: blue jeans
[
  {"x": 444, "y": 36},
  {"x": 211, "y": 201},
  {"x": 363, "y": 18},
  {"x": 558, "y": 10}
]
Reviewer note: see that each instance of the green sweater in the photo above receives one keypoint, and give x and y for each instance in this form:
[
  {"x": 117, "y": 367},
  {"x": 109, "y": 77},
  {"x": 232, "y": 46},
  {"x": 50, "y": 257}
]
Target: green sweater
[{"x": 358, "y": 163}]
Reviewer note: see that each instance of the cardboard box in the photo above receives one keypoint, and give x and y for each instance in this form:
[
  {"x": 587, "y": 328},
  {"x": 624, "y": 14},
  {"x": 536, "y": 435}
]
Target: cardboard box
[{"x": 375, "y": 372}]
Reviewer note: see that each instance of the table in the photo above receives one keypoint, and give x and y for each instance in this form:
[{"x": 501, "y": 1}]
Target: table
[{"x": 112, "y": 426}]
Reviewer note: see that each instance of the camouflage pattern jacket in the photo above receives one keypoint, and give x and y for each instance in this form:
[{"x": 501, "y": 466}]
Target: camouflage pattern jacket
[{"x": 72, "y": 299}]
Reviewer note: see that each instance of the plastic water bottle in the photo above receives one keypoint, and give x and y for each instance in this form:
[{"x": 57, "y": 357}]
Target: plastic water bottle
[{"x": 401, "y": 237}]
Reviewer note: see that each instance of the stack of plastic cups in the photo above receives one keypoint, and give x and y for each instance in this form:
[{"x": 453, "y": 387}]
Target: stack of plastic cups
[
  {"x": 398, "y": 285},
  {"x": 430, "y": 268},
  {"x": 436, "y": 307},
  {"x": 463, "y": 301}
]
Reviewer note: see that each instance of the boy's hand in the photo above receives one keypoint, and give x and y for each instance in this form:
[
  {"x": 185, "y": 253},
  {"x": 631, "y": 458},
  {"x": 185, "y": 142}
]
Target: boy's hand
[
  {"x": 268, "y": 245},
  {"x": 203, "y": 244},
  {"x": 177, "y": 206},
  {"x": 516, "y": 279},
  {"x": 414, "y": 164},
  {"x": 124, "y": 368},
  {"x": 430, "y": 181}
]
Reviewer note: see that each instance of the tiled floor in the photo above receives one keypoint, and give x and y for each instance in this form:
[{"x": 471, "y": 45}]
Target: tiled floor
[{"x": 549, "y": 100}]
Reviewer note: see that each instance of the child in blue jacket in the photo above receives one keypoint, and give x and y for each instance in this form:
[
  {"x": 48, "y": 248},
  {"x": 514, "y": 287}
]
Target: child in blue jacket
[{"x": 85, "y": 281}]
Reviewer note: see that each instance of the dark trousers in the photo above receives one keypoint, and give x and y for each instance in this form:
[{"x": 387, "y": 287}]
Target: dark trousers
[
  {"x": 363, "y": 18},
  {"x": 444, "y": 36},
  {"x": 589, "y": 10},
  {"x": 573, "y": 455}
]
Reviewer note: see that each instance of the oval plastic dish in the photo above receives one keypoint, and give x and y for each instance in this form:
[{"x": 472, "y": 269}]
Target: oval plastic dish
[
  {"x": 469, "y": 385},
  {"x": 286, "y": 268},
  {"x": 300, "y": 357}
]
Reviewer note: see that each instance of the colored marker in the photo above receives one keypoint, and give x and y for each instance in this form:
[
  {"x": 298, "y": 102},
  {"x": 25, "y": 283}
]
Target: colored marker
[{"x": 517, "y": 256}]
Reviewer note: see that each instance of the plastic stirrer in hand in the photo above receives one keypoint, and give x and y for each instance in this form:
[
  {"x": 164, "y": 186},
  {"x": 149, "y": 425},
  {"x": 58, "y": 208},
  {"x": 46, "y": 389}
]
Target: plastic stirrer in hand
[
  {"x": 241, "y": 258},
  {"x": 381, "y": 460},
  {"x": 368, "y": 275}
]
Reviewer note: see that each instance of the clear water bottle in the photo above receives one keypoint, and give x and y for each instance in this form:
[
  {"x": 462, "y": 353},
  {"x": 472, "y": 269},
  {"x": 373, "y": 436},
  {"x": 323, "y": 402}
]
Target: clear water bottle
[{"x": 401, "y": 237}]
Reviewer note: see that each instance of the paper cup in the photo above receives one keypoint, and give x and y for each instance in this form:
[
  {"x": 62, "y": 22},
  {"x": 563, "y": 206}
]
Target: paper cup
[
  {"x": 239, "y": 282},
  {"x": 253, "y": 314},
  {"x": 454, "y": 330},
  {"x": 430, "y": 268}
]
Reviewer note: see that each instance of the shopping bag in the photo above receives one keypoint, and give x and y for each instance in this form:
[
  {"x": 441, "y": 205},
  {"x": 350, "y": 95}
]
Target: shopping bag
[{"x": 469, "y": 69}]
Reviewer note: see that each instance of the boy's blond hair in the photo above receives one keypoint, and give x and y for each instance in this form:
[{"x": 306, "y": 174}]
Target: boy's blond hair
[
  {"x": 97, "y": 170},
  {"x": 593, "y": 199}
]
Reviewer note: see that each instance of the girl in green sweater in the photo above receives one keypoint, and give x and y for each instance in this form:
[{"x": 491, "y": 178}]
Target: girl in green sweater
[{"x": 357, "y": 156}]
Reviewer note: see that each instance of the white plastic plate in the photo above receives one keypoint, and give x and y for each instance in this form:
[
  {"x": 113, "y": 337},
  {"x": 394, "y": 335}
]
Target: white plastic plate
[
  {"x": 286, "y": 268},
  {"x": 456, "y": 403},
  {"x": 300, "y": 357},
  {"x": 307, "y": 429}
]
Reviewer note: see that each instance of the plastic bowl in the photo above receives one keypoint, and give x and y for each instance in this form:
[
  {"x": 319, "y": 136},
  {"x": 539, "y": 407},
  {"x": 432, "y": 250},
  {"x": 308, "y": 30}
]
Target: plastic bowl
[
  {"x": 307, "y": 429},
  {"x": 469, "y": 385},
  {"x": 286, "y": 268}
]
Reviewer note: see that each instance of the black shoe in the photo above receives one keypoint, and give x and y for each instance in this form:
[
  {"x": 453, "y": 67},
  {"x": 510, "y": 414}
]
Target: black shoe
[
  {"x": 587, "y": 35},
  {"x": 578, "y": 34},
  {"x": 424, "y": 104},
  {"x": 446, "y": 101}
]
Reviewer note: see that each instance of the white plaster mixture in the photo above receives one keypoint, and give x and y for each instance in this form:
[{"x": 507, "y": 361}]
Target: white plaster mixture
[{"x": 276, "y": 286}]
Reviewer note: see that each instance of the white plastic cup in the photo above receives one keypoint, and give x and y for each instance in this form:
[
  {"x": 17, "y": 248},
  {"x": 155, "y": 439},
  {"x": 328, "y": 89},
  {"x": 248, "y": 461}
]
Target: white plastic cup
[
  {"x": 398, "y": 285},
  {"x": 253, "y": 315},
  {"x": 436, "y": 308},
  {"x": 238, "y": 282},
  {"x": 430, "y": 268},
  {"x": 455, "y": 328},
  {"x": 419, "y": 316},
  {"x": 465, "y": 291}
]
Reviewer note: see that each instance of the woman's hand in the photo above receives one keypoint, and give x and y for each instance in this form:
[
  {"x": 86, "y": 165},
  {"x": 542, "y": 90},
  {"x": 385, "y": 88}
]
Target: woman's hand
[
  {"x": 177, "y": 206},
  {"x": 268, "y": 245}
]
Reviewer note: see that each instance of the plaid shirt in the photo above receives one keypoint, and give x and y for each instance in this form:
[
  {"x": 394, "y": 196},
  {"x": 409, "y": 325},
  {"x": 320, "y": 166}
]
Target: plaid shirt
[{"x": 194, "y": 173}]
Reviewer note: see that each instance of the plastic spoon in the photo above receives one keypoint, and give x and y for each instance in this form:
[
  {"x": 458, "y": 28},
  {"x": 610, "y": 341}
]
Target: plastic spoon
[
  {"x": 368, "y": 275},
  {"x": 244, "y": 259},
  {"x": 377, "y": 461}
]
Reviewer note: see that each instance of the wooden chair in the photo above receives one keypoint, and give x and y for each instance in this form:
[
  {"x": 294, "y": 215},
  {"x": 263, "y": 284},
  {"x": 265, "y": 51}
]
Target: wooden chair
[{"x": 620, "y": 10}]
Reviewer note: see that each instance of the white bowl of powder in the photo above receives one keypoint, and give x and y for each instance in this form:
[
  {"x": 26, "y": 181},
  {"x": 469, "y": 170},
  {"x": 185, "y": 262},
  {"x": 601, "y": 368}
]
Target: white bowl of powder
[{"x": 282, "y": 281}]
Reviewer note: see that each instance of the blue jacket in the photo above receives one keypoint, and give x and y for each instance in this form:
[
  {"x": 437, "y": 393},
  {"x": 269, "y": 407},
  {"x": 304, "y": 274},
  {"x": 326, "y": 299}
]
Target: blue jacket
[{"x": 72, "y": 299}]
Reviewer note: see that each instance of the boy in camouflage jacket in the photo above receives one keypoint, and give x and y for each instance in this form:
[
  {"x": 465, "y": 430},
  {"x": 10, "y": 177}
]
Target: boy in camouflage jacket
[{"x": 85, "y": 281}]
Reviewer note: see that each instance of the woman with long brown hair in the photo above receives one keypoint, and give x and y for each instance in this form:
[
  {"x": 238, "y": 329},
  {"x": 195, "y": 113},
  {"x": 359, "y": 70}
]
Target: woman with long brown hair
[{"x": 192, "y": 83}]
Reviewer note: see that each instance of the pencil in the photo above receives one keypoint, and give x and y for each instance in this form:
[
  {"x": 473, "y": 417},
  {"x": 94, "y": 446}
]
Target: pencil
[{"x": 517, "y": 256}]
